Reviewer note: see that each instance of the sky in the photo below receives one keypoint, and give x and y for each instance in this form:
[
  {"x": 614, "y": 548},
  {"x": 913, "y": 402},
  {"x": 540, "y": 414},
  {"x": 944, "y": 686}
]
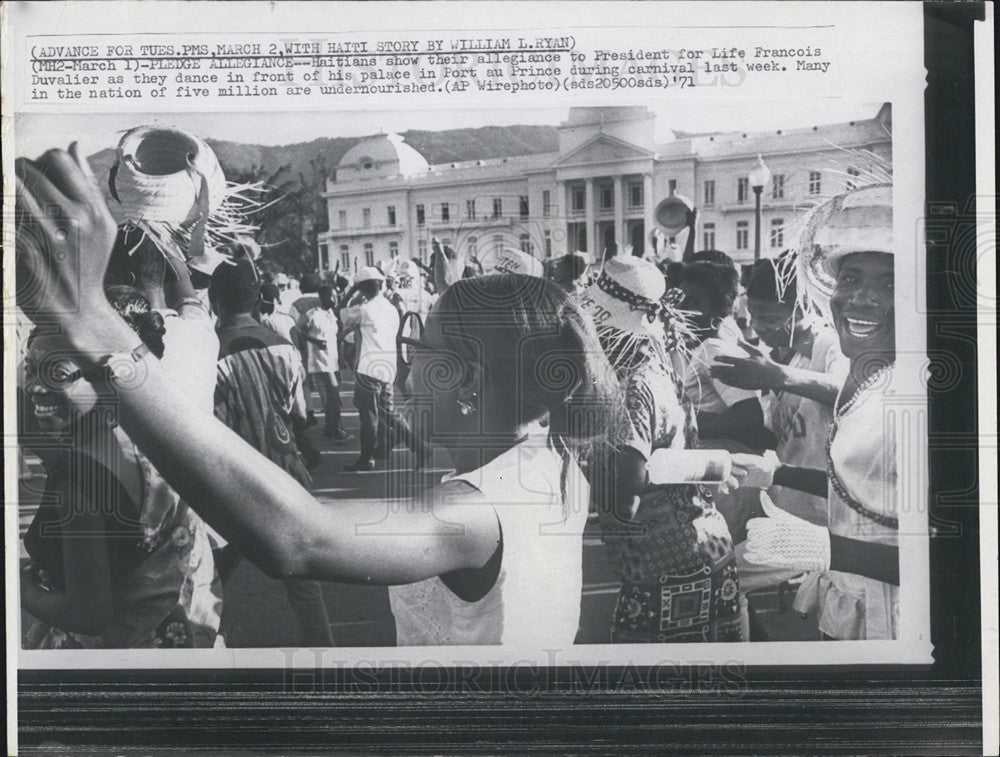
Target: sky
[{"x": 34, "y": 133}]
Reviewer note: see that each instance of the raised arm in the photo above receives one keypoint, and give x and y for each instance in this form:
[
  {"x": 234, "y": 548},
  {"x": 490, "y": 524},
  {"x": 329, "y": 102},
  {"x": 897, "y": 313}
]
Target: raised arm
[
  {"x": 182, "y": 294},
  {"x": 758, "y": 372},
  {"x": 248, "y": 499}
]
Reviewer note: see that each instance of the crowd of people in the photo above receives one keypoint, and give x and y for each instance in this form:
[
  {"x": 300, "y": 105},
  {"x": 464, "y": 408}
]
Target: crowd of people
[{"x": 166, "y": 388}]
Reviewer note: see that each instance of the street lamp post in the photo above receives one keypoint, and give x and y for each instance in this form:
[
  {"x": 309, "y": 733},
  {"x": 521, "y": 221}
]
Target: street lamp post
[{"x": 759, "y": 177}]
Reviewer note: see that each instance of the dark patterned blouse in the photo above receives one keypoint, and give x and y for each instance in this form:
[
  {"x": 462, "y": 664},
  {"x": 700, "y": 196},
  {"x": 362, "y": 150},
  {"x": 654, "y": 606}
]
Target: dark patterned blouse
[{"x": 676, "y": 557}]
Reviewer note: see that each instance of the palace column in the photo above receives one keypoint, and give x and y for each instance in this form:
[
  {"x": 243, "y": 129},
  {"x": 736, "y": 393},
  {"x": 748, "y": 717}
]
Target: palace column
[
  {"x": 592, "y": 246},
  {"x": 648, "y": 205},
  {"x": 566, "y": 210},
  {"x": 619, "y": 201}
]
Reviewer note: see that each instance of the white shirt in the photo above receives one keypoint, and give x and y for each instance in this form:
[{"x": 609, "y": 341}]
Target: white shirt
[
  {"x": 850, "y": 606},
  {"x": 416, "y": 300},
  {"x": 801, "y": 425},
  {"x": 320, "y": 323},
  {"x": 729, "y": 330},
  {"x": 709, "y": 395},
  {"x": 377, "y": 321},
  {"x": 191, "y": 353},
  {"x": 535, "y": 602},
  {"x": 280, "y": 323}
]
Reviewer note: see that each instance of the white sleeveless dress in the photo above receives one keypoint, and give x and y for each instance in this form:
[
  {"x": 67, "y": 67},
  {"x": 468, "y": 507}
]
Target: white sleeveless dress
[
  {"x": 535, "y": 602},
  {"x": 863, "y": 451}
]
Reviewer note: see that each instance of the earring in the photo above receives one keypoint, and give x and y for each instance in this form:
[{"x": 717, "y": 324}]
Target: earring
[{"x": 467, "y": 408}]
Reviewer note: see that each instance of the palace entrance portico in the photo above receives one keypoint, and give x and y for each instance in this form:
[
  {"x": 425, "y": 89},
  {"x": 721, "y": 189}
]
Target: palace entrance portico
[{"x": 607, "y": 187}]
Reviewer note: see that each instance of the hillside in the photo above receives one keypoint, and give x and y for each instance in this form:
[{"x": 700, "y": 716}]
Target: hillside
[{"x": 435, "y": 146}]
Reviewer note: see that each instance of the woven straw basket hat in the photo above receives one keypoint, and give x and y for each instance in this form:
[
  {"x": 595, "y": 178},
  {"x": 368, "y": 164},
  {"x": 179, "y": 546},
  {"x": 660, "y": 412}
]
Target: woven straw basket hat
[{"x": 161, "y": 173}]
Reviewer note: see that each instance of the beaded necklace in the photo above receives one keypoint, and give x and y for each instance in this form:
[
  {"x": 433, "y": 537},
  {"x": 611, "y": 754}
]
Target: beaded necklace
[{"x": 889, "y": 521}]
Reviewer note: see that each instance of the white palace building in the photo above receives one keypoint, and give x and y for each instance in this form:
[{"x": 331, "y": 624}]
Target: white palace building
[{"x": 601, "y": 187}]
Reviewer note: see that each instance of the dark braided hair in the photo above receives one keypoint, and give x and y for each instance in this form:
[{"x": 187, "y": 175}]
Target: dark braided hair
[{"x": 136, "y": 311}]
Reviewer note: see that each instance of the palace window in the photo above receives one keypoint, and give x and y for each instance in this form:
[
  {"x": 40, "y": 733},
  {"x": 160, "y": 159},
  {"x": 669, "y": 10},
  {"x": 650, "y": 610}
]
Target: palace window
[
  {"x": 635, "y": 195},
  {"x": 742, "y": 235},
  {"x": 393, "y": 250},
  {"x": 392, "y": 215},
  {"x": 710, "y": 193},
  {"x": 345, "y": 257},
  {"x": 522, "y": 203},
  {"x": 369, "y": 254},
  {"x": 815, "y": 182},
  {"x": 445, "y": 212},
  {"x": 579, "y": 198},
  {"x": 422, "y": 250},
  {"x": 607, "y": 197},
  {"x": 546, "y": 203},
  {"x": 342, "y": 218},
  {"x": 420, "y": 215},
  {"x": 708, "y": 236},
  {"x": 777, "y": 233},
  {"x": 778, "y": 186},
  {"x": 497, "y": 207},
  {"x": 470, "y": 210},
  {"x": 742, "y": 189},
  {"x": 366, "y": 217}
]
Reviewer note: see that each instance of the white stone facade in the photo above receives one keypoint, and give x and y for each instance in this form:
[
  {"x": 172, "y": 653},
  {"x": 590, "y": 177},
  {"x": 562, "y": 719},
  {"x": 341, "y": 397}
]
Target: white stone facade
[{"x": 606, "y": 179}]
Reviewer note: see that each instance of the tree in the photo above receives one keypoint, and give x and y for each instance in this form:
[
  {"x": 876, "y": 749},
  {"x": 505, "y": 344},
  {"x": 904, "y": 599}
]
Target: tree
[{"x": 289, "y": 213}]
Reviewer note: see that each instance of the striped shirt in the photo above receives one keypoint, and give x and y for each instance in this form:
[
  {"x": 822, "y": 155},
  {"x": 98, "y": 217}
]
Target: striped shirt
[{"x": 259, "y": 389}]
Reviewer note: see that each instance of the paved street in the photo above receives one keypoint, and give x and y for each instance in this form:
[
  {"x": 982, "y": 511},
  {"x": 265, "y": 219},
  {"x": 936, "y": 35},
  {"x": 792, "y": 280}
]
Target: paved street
[{"x": 257, "y": 613}]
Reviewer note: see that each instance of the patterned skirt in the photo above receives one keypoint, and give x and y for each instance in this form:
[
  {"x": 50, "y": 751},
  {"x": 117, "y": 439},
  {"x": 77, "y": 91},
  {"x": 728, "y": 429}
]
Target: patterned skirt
[{"x": 703, "y": 606}]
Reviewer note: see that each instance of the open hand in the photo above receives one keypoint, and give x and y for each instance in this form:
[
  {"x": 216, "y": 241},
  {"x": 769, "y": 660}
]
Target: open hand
[
  {"x": 755, "y": 470},
  {"x": 65, "y": 235},
  {"x": 756, "y": 371},
  {"x": 447, "y": 263}
]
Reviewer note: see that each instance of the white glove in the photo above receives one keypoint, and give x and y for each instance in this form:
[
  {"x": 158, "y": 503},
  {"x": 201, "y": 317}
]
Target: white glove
[
  {"x": 783, "y": 541},
  {"x": 755, "y": 470}
]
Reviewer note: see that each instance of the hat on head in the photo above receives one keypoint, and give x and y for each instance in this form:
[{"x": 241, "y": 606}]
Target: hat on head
[
  {"x": 629, "y": 303},
  {"x": 368, "y": 273},
  {"x": 169, "y": 183},
  {"x": 859, "y": 220}
]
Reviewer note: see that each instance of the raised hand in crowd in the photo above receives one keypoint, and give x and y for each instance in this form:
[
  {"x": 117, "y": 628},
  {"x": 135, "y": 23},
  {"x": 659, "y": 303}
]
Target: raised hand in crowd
[
  {"x": 756, "y": 371},
  {"x": 447, "y": 263},
  {"x": 65, "y": 237}
]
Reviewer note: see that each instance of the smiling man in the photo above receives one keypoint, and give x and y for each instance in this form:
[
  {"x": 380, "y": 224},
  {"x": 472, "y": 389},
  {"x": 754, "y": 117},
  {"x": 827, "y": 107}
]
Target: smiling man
[{"x": 854, "y": 586}]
